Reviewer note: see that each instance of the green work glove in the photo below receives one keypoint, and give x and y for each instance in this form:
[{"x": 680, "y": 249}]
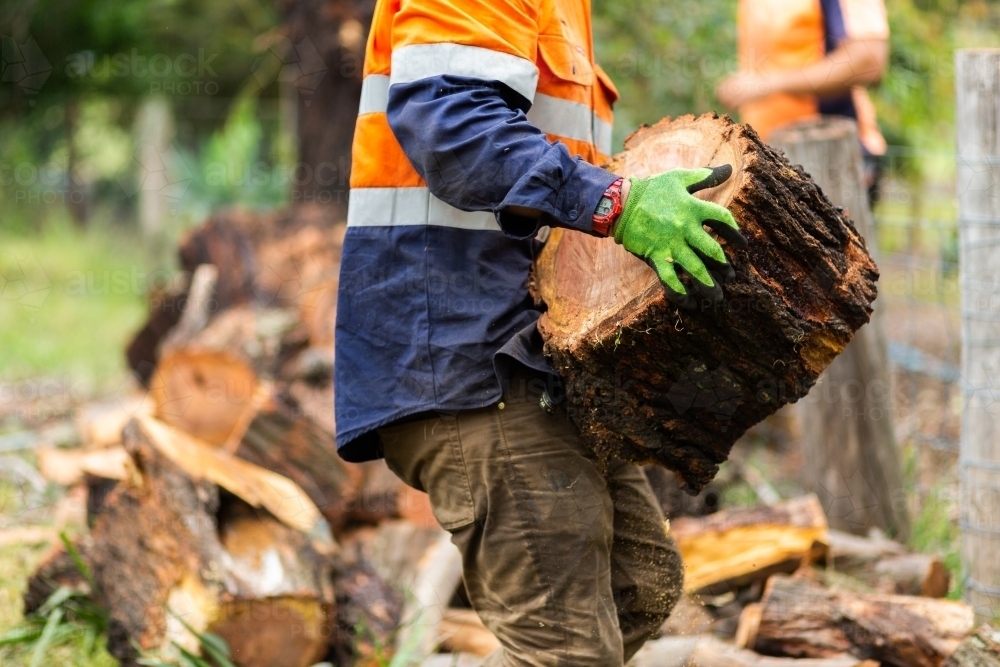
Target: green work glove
[{"x": 662, "y": 224}]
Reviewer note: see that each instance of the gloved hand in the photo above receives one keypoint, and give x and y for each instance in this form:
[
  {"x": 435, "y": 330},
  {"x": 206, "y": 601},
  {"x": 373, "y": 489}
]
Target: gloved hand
[{"x": 662, "y": 223}]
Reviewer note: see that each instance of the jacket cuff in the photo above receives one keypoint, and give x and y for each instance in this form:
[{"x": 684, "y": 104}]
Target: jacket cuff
[{"x": 570, "y": 204}]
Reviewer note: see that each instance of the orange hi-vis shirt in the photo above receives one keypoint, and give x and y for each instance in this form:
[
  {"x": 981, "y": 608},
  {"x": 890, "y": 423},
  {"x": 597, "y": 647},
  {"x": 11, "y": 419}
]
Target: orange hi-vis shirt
[
  {"x": 544, "y": 52},
  {"x": 792, "y": 34}
]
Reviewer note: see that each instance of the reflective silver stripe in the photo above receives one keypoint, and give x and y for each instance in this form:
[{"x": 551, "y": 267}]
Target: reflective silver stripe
[
  {"x": 602, "y": 135},
  {"x": 395, "y": 207},
  {"x": 420, "y": 61},
  {"x": 374, "y": 94},
  {"x": 565, "y": 118},
  {"x": 572, "y": 120}
]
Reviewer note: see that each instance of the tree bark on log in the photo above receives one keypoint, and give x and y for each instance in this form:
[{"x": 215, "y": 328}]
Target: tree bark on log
[
  {"x": 282, "y": 439},
  {"x": 735, "y": 547},
  {"x": 651, "y": 383},
  {"x": 851, "y": 459},
  {"x": 169, "y": 546},
  {"x": 798, "y": 618},
  {"x": 980, "y": 650}
]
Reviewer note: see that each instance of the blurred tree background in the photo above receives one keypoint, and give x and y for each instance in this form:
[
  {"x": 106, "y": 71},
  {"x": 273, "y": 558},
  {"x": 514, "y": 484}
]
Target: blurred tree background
[{"x": 230, "y": 103}]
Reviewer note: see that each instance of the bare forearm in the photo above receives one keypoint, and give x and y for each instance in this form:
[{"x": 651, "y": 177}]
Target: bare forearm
[{"x": 856, "y": 63}]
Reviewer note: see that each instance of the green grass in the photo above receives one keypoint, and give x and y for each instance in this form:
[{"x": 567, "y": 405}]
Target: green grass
[
  {"x": 69, "y": 301},
  {"x": 16, "y": 564},
  {"x": 935, "y": 530}
]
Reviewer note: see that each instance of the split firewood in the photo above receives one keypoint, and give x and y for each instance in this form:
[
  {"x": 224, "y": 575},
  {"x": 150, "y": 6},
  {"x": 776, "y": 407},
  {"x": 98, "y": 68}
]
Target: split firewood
[
  {"x": 734, "y": 547},
  {"x": 462, "y": 631},
  {"x": 980, "y": 650},
  {"x": 215, "y": 544},
  {"x": 887, "y": 566},
  {"x": 69, "y": 466},
  {"x": 281, "y": 438},
  {"x": 100, "y": 424},
  {"x": 439, "y": 574},
  {"x": 799, "y": 618},
  {"x": 707, "y": 651},
  {"x": 649, "y": 382},
  {"x": 198, "y": 310}
]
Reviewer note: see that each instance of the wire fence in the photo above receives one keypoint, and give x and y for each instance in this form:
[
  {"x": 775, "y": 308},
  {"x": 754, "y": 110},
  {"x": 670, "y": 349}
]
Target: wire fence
[{"x": 916, "y": 222}]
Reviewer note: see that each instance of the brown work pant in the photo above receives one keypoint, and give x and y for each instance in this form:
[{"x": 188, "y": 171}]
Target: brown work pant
[{"x": 567, "y": 566}]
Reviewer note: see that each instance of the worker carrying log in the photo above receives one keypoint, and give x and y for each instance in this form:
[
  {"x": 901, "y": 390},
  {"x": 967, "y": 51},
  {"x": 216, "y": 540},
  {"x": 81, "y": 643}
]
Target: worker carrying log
[
  {"x": 799, "y": 59},
  {"x": 480, "y": 125}
]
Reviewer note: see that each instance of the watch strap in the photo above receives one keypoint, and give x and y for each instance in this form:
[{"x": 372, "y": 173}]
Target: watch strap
[{"x": 602, "y": 222}]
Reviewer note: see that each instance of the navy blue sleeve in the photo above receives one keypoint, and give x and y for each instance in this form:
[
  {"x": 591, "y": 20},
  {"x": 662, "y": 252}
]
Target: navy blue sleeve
[
  {"x": 472, "y": 143},
  {"x": 834, "y": 27}
]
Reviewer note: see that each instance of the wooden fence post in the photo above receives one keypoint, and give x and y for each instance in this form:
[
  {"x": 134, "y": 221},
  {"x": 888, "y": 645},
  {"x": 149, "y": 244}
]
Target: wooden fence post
[
  {"x": 977, "y": 81},
  {"x": 851, "y": 458}
]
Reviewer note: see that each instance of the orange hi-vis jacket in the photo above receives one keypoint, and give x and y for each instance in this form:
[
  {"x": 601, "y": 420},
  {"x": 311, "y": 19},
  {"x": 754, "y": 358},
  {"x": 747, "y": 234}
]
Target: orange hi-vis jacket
[
  {"x": 544, "y": 52},
  {"x": 471, "y": 111}
]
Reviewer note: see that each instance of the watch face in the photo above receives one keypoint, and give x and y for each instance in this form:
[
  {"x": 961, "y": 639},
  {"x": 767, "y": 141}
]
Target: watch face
[{"x": 604, "y": 206}]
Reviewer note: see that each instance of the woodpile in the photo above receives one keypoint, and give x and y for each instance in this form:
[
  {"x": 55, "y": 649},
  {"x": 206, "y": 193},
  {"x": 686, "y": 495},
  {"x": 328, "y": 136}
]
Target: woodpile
[
  {"x": 651, "y": 383},
  {"x": 216, "y": 502},
  {"x": 803, "y": 619}
]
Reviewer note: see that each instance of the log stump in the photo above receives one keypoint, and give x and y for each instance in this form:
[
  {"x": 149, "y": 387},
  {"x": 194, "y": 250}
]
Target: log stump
[{"x": 651, "y": 383}]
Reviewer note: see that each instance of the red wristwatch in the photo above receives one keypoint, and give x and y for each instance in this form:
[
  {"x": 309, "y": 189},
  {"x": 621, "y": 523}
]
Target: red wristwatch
[{"x": 609, "y": 208}]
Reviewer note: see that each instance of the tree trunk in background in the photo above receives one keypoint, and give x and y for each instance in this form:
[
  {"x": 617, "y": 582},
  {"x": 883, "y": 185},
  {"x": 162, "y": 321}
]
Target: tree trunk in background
[
  {"x": 76, "y": 195},
  {"x": 328, "y": 39},
  {"x": 977, "y": 80},
  {"x": 852, "y": 461},
  {"x": 154, "y": 129}
]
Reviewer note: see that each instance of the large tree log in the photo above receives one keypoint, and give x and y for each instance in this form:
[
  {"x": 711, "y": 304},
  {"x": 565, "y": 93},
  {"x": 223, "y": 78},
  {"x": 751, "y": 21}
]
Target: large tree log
[
  {"x": 651, "y": 383},
  {"x": 798, "y": 618},
  {"x": 887, "y": 566},
  {"x": 171, "y": 546},
  {"x": 737, "y": 546}
]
